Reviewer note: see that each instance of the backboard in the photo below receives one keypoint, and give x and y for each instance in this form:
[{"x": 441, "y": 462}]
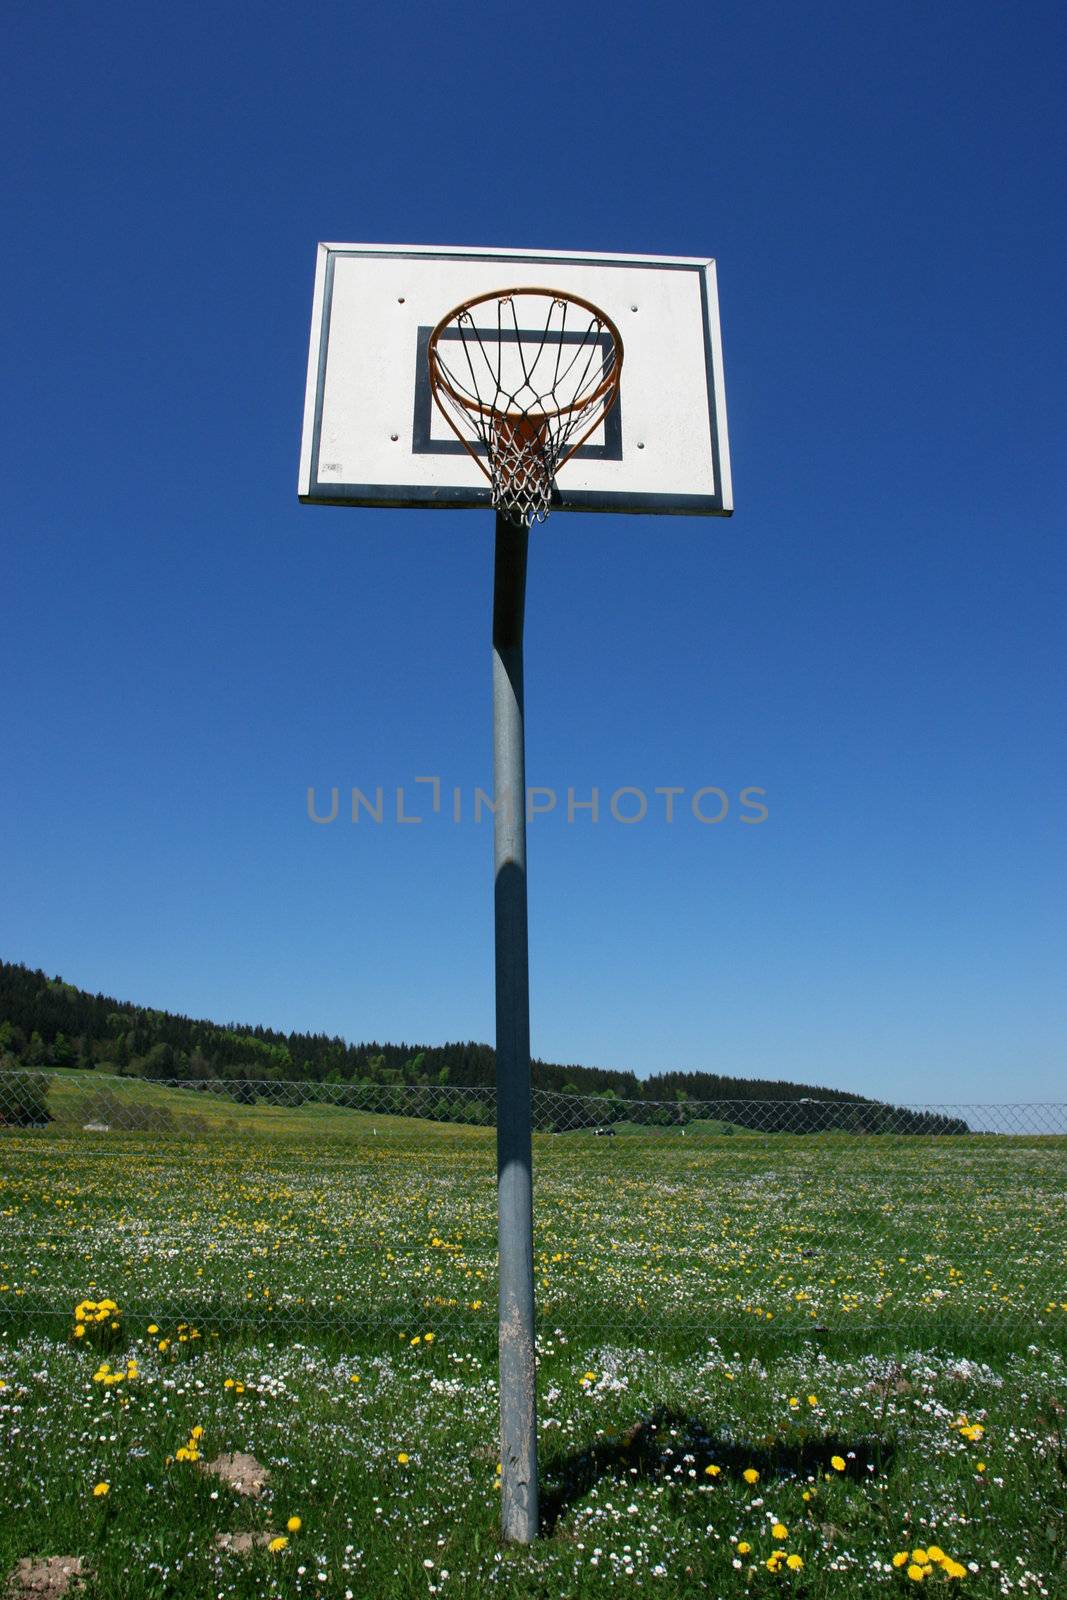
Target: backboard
[{"x": 374, "y": 437}]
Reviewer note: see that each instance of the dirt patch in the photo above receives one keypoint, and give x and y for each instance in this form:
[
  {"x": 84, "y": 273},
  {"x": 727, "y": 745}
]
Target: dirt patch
[
  {"x": 242, "y": 1472},
  {"x": 241, "y": 1543},
  {"x": 45, "y": 1578}
]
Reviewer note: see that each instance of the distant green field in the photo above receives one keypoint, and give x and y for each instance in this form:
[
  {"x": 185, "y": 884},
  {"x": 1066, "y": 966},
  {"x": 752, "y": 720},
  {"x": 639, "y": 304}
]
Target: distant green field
[
  {"x": 318, "y": 1214},
  {"x": 712, "y": 1298}
]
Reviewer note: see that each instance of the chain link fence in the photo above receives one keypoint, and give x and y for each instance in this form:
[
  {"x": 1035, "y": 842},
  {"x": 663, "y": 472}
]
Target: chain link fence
[{"x": 202, "y": 1207}]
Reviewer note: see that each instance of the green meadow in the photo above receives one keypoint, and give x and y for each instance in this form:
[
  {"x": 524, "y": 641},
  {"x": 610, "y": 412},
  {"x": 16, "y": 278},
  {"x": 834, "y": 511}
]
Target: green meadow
[{"x": 857, "y": 1340}]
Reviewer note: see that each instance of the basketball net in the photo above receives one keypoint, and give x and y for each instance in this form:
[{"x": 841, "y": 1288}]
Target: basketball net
[{"x": 523, "y": 377}]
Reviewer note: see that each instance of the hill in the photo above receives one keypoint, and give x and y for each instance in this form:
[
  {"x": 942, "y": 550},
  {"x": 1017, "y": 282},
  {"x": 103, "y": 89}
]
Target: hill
[{"x": 46, "y": 1022}]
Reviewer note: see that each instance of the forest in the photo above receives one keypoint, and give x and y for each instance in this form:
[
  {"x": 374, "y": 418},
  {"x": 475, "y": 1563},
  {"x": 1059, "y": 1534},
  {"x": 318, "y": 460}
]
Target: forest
[{"x": 46, "y": 1022}]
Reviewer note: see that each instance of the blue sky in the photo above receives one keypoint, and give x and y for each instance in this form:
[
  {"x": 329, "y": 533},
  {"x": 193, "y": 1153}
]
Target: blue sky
[{"x": 875, "y": 638}]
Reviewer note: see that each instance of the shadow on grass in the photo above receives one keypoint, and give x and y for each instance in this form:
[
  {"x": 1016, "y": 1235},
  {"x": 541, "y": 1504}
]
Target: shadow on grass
[{"x": 653, "y": 1449}]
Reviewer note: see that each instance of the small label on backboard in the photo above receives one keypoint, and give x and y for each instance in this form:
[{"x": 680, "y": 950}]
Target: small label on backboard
[{"x": 331, "y": 468}]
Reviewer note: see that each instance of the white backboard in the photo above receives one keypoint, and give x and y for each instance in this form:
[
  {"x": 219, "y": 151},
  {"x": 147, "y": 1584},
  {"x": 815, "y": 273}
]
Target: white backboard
[{"x": 373, "y": 436}]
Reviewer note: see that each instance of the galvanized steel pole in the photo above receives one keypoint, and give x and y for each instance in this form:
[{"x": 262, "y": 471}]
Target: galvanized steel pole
[{"x": 518, "y": 1374}]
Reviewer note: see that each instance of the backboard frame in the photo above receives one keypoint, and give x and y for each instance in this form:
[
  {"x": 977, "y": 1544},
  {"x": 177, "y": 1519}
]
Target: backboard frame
[{"x": 315, "y": 488}]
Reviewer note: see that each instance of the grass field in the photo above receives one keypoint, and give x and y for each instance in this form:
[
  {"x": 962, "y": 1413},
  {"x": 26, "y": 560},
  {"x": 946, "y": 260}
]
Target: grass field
[{"x": 876, "y": 1327}]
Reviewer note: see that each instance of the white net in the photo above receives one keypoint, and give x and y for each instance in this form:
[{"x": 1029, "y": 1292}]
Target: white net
[{"x": 524, "y": 377}]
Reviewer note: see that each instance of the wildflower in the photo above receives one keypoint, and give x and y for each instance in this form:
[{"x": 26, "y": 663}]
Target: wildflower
[
  {"x": 197, "y": 1432},
  {"x": 403, "y": 1458},
  {"x": 152, "y": 1328},
  {"x": 916, "y": 1573},
  {"x": 743, "y": 1548},
  {"x": 278, "y": 1543},
  {"x": 793, "y": 1402},
  {"x": 79, "y": 1330},
  {"x": 713, "y": 1471},
  {"x": 953, "y": 1569},
  {"x": 750, "y": 1475},
  {"x": 838, "y": 1463},
  {"x": 354, "y": 1378},
  {"x": 900, "y": 1558},
  {"x": 101, "y": 1490},
  {"x": 920, "y": 1557},
  {"x": 294, "y": 1525},
  {"x": 813, "y": 1399},
  {"x": 934, "y": 1552},
  {"x": 795, "y": 1563},
  {"x": 417, "y": 1339},
  {"x": 979, "y": 1466},
  {"x": 779, "y": 1531},
  {"x": 429, "y": 1337},
  {"x": 228, "y": 1384}
]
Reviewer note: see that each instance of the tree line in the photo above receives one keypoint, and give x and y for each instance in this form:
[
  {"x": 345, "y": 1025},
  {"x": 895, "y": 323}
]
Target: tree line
[{"x": 48, "y": 1023}]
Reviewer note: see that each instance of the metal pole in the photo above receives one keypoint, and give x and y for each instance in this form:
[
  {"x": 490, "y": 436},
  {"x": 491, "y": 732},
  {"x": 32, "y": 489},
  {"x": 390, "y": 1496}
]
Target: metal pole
[{"x": 518, "y": 1375}]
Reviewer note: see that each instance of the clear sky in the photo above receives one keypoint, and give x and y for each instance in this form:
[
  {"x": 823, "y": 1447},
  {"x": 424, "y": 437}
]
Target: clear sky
[{"x": 876, "y": 638}]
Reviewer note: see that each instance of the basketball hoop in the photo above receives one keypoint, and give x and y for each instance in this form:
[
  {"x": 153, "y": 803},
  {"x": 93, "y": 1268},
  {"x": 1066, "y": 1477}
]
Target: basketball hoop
[{"x": 524, "y": 385}]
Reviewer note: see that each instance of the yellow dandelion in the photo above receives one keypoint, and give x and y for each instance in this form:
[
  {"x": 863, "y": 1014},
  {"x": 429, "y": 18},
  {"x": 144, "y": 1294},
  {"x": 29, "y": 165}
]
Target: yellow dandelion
[
  {"x": 429, "y": 1337},
  {"x": 750, "y": 1475},
  {"x": 294, "y": 1525},
  {"x": 838, "y": 1463},
  {"x": 953, "y": 1569},
  {"x": 900, "y": 1558},
  {"x": 713, "y": 1471},
  {"x": 795, "y": 1563},
  {"x": 152, "y": 1328},
  {"x": 354, "y": 1378},
  {"x": 228, "y": 1384},
  {"x": 743, "y": 1548},
  {"x": 916, "y": 1573},
  {"x": 278, "y": 1543},
  {"x": 934, "y": 1552},
  {"x": 920, "y": 1557},
  {"x": 779, "y": 1531},
  {"x": 101, "y": 1490},
  {"x": 813, "y": 1399},
  {"x": 197, "y": 1432},
  {"x": 403, "y": 1458},
  {"x": 79, "y": 1330}
]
